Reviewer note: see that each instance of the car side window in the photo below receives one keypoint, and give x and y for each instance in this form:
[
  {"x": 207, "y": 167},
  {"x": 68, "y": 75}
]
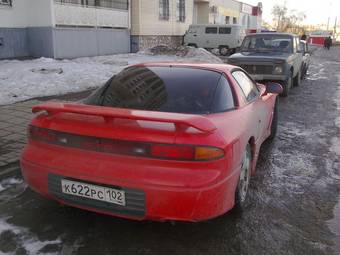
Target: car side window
[
  {"x": 224, "y": 30},
  {"x": 223, "y": 99},
  {"x": 248, "y": 87},
  {"x": 211, "y": 30}
]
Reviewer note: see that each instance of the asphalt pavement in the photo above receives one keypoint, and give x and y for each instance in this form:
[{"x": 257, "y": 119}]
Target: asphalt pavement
[{"x": 293, "y": 208}]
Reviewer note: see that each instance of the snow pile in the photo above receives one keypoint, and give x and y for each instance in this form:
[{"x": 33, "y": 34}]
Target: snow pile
[
  {"x": 186, "y": 52},
  {"x": 22, "y": 80}
]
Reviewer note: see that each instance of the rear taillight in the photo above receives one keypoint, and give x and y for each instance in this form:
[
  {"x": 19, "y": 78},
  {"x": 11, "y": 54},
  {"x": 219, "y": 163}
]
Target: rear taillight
[
  {"x": 173, "y": 152},
  {"x": 141, "y": 149}
]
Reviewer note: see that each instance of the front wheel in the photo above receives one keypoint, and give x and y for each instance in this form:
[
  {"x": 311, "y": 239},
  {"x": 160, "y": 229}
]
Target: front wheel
[
  {"x": 243, "y": 183},
  {"x": 273, "y": 127},
  {"x": 287, "y": 84}
]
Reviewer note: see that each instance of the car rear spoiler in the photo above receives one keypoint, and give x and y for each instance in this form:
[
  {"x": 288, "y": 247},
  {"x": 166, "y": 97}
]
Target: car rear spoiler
[{"x": 181, "y": 121}]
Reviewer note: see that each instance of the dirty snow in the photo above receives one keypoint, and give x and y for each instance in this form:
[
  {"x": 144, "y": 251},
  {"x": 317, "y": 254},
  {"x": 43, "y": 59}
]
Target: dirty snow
[
  {"x": 7, "y": 183},
  {"x": 25, "y": 240},
  {"x": 22, "y": 80}
]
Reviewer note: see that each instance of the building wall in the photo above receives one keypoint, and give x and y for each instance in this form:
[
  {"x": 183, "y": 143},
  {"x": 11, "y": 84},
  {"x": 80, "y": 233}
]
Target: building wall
[
  {"x": 224, "y": 8},
  {"x": 39, "y": 13},
  {"x": 85, "y": 42},
  {"x": 40, "y": 42},
  {"x": 26, "y": 13},
  {"x": 201, "y": 13},
  {"x": 13, "y": 43},
  {"x": 73, "y": 15},
  {"x": 15, "y": 16},
  {"x": 145, "y": 18},
  {"x": 28, "y": 29}
]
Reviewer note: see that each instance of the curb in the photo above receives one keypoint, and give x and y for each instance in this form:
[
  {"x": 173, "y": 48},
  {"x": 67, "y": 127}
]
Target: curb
[{"x": 10, "y": 170}]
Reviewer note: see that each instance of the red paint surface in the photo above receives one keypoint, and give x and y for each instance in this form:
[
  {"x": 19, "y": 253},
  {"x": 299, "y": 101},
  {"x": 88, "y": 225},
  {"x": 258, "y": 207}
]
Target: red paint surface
[{"x": 174, "y": 189}]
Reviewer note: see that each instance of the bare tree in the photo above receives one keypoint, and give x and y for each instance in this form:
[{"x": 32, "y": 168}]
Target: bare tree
[
  {"x": 287, "y": 20},
  {"x": 279, "y": 13}
]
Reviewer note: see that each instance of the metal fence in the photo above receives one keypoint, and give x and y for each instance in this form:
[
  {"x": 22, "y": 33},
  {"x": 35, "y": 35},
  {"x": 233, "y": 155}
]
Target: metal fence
[{"x": 111, "y": 4}]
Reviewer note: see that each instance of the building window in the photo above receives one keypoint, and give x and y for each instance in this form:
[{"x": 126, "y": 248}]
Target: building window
[
  {"x": 6, "y": 2},
  {"x": 181, "y": 10},
  {"x": 110, "y": 4},
  {"x": 227, "y": 19},
  {"x": 164, "y": 9},
  {"x": 234, "y": 20}
]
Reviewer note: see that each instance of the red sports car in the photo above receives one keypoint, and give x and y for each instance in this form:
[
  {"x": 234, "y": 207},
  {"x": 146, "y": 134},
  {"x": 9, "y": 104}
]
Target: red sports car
[{"x": 158, "y": 141}]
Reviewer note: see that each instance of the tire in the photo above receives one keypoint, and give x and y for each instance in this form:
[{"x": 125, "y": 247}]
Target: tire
[
  {"x": 287, "y": 84},
  {"x": 297, "y": 79},
  {"x": 243, "y": 183},
  {"x": 273, "y": 126},
  {"x": 224, "y": 50},
  {"x": 303, "y": 73}
]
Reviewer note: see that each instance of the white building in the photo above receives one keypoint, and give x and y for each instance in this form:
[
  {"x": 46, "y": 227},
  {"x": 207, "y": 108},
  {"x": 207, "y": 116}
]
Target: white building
[
  {"x": 63, "y": 28},
  {"x": 228, "y": 12},
  {"x": 155, "y": 22}
]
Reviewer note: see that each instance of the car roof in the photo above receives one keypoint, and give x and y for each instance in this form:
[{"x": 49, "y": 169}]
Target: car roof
[
  {"x": 221, "y": 68},
  {"x": 215, "y": 25},
  {"x": 286, "y": 34}
]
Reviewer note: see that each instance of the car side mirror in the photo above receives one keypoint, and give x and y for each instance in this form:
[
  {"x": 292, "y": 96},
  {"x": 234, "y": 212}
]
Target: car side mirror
[{"x": 273, "y": 88}]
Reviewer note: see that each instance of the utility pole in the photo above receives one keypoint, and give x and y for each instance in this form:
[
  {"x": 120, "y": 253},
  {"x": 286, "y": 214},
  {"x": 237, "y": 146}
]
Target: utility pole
[
  {"x": 335, "y": 25},
  {"x": 328, "y": 23}
]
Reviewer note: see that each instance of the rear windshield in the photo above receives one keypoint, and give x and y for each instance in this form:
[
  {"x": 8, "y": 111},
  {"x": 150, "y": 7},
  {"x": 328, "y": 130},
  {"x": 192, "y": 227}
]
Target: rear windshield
[{"x": 166, "y": 89}]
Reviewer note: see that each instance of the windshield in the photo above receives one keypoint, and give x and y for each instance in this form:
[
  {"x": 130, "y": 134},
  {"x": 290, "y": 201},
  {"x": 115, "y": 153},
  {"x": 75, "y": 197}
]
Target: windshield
[
  {"x": 165, "y": 89},
  {"x": 267, "y": 43}
]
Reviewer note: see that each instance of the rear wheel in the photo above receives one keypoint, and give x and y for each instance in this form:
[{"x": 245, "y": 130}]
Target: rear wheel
[
  {"x": 243, "y": 183},
  {"x": 287, "y": 84},
  {"x": 224, "y": 50}
]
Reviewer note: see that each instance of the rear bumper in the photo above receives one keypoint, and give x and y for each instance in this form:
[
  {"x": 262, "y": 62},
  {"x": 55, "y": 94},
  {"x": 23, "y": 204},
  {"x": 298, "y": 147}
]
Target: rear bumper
[{"x": 157, "y": 202}]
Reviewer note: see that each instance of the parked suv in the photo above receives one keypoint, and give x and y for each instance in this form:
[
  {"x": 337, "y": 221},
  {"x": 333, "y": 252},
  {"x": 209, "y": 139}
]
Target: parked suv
[
  {"x": 271, "y": 57},
  {"x": 226, "y": 38}
]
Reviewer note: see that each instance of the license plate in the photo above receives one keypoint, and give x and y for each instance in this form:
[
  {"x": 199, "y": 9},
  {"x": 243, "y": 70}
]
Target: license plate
[{"x": 94, "y": 192}]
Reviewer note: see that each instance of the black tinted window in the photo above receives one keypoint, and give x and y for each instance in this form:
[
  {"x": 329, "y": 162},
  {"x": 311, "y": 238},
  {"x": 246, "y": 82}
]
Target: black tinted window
[
  {"x": 247, "y": 85},
  {"x": 224, "y": 99},
  {"x": 211, "y": 30},
  {"x": 167, "y": 89},
  {"x": 225, "y": 30}
]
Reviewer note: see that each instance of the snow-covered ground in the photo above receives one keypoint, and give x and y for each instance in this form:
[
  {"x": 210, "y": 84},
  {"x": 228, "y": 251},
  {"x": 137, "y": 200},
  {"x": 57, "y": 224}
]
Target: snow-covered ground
[{"x": 22, "y": 80}]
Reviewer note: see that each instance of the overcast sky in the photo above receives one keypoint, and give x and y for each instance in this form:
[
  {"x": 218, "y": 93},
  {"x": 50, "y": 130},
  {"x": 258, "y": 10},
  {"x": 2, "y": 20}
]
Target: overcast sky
[{"x": 317, "y": 11}]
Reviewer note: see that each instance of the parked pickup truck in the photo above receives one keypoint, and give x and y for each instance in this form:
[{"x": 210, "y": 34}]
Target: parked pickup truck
[{"x": 271, "y": 57}]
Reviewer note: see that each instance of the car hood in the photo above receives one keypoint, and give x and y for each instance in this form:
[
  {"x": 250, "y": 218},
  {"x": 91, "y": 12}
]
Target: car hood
[{"x": 259, "y": 56}]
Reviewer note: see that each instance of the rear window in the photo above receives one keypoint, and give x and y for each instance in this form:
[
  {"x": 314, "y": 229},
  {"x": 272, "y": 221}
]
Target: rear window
[{"x": 166, "y": 89}]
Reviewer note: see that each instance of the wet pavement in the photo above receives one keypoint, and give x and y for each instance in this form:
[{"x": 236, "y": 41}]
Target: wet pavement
[{"x": 291, "y": 208}]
